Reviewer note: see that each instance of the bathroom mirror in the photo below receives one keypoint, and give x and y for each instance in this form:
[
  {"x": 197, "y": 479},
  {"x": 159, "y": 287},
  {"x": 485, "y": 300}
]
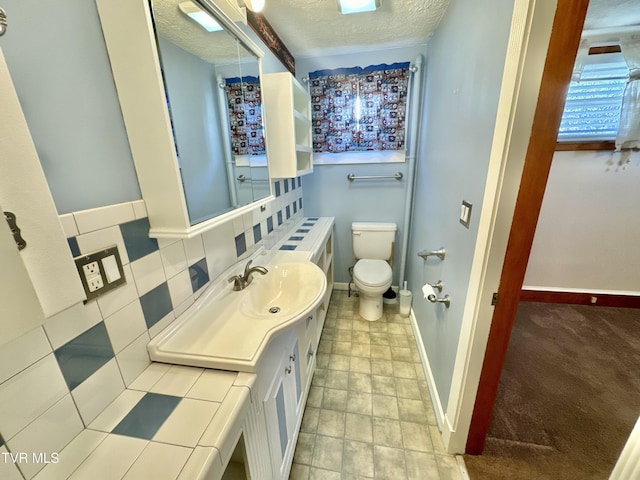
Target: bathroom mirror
[{"x": 212, "y": 84}]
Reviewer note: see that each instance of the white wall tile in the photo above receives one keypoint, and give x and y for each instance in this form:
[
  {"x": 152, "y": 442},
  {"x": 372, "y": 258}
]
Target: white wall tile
[
  {"x": 125, "y": 325},
  {"x": 114, "y": 300},
  {"x": 194, "y": 249},
  {"x": 8, "y": 470},
  {"x": 111, "y": 416},
  {"x": 238, "y": 226},
  {"x": 70, "y": 323},
  {"x": 111, "y": 459},
  {"x": 99, "y": 390},
  {"x": 159, "y": 462},
  {"x": 148, "y": 272},
  {"x": 174, "y": 259},
  {"x": 69, "y": 226},
  {"x": 22, "y": 352},
  {"x": 180, "y": 287},
  {"x": 100, "y": 239},
  {"x": 161, "y": 324},
  {"x": 71, "y": 456},
  {"x": 134, "y": 359},
  {"x": 104, "y": 217},
  {"x": 187, "y": 422},
  {"x": 177, "y": 381},
  {"x": 26, "y": 396},
  {"x": 180, "y": 309},
  {"x": 48, "y": 434}
]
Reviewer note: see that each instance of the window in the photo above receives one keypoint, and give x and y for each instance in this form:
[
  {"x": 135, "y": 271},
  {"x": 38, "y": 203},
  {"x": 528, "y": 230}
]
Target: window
[
  {"x": 359, "y": 109},
  {"x": 592, "y": 108}
]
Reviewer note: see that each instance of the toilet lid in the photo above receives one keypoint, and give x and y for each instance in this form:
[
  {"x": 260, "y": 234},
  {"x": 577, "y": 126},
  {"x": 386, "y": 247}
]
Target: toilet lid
[{"x": 372, "y": 272}]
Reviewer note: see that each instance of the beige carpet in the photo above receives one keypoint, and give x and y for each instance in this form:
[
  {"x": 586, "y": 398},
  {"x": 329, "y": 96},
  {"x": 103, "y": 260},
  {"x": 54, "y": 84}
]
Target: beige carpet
[{"x": 569, "y": 395}]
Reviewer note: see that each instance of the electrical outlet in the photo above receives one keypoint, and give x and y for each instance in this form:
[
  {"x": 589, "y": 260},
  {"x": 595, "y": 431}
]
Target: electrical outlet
[
  {"x": 95, "y": 283},
  {"x": 91, "y": 269}
]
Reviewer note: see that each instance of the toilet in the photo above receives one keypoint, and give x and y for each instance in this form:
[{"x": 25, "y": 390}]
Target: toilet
[{"x": 372, "y": 274}]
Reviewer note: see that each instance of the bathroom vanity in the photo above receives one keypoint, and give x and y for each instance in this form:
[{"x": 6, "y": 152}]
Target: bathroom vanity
[{"x": 217, "y": 421}]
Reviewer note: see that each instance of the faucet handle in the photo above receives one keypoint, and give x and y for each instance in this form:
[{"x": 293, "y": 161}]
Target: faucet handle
[
  {"x": 238, "y": 282},
  {"x": 246, "y": 268}
]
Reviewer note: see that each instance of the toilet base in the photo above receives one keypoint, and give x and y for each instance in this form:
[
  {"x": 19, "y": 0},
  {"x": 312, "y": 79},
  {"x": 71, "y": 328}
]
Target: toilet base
[{"x": 370, "y": 307}]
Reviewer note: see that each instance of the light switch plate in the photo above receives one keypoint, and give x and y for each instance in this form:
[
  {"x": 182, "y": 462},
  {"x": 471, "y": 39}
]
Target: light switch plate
[
  {"x": 100, "y": 271},
  {"x": 465, "y": 213}
]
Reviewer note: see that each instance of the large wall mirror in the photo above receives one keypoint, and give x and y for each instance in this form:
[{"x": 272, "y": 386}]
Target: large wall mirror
[{"x": 212, "y": 83}]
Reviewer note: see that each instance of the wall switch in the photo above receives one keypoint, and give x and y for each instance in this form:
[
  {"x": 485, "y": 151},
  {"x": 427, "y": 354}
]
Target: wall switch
[
  {"x": 465, "y": 213},
  {"x": 110, "y": 267}
]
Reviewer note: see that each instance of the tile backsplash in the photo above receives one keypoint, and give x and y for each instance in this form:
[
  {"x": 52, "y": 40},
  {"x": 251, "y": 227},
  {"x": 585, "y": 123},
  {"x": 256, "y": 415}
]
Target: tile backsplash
[{"x": 58, "y": 378}]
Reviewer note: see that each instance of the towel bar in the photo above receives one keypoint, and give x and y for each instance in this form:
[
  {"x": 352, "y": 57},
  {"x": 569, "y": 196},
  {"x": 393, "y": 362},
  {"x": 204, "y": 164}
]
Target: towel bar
[{"x": 351, "y": 177}]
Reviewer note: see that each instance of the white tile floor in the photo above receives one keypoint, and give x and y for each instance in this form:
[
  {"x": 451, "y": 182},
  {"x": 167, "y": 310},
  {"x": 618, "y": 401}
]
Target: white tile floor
[{"x": 369, "y": 414}]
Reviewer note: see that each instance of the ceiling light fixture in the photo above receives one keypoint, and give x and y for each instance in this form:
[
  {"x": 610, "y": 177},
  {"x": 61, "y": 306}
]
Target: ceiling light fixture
[
  {"x": 199, "y": 16},
  {"x": 253, "y": 5},
  {"x": 358, "y": 6}
]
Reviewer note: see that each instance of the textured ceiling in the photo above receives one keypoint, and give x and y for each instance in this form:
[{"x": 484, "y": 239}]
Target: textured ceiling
[
  {"x": 308, "y": 27},
  {"x": 314, "y": 27}
]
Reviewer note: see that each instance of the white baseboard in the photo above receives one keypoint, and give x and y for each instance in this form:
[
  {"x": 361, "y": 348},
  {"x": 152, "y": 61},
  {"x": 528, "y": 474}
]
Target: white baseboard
[{"x": 428, "y": 374}]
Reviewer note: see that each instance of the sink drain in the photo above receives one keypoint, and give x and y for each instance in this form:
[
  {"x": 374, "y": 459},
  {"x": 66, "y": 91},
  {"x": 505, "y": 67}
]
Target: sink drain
[{"x": 274, "y": 309}]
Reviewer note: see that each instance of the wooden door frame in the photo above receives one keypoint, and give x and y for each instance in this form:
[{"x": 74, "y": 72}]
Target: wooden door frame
[{"x": 563, "y": 46}]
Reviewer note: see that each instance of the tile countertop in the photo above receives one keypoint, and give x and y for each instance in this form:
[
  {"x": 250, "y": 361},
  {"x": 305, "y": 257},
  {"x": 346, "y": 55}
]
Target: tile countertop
[{"x": 173, "y": 422}]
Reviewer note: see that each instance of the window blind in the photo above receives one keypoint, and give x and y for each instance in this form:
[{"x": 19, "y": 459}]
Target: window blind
[{"x": 592, "y": 108}]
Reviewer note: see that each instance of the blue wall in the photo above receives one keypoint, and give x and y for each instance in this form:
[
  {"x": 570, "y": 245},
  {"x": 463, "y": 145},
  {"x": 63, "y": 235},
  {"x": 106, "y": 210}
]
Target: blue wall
[
  {"x": 464, "y": 73},
  {"x": 70, "y": 102},
  {"x": 327, "y": 192}
]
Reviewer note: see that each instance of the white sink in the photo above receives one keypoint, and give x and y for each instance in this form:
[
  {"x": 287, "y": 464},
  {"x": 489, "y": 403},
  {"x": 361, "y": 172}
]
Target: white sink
[{"x": 229, "y": 329}]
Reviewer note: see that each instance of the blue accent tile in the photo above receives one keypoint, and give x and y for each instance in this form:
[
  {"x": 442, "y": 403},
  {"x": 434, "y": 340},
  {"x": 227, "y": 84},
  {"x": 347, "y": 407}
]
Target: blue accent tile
[
  {"x": 302, "y": 230},
  {"x": 300, "y": 203},
  {"x": 279, "y": 217},
  {"x": 296, "y": 239},
  {"x": 145, "y": 419},
  {"x": 136, "y": 239},
  {"x": 288, "y": 247},
  {"x": 199, "y": 275},
  {"x": 308, "y": 224},
  {"x": 257, "y": 233},
  {"x": 156, "y": 304},
  {"x": 293, "y": 184},
  {"x": 73, "y": 245},
  {"x": 315, "y": 219},
  {"x": 241, "y": 244},
  {"x": 288, "y": 209},
  {"x": 295, "y": 207},
  {"x": 277, "y": 188},
  {"x": 299, "y": 181},
  {"x": 269, "y": 224},
  {"x": 286, "y": 186},
  {"x": 84, "y": 355}
]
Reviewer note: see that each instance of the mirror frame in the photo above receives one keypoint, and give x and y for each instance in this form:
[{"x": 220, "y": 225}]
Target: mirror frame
[{"x": 131, "y": 45}]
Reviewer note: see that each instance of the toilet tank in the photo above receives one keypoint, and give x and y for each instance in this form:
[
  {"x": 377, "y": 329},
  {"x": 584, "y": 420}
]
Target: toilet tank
[{"x": 373, "y": 240}]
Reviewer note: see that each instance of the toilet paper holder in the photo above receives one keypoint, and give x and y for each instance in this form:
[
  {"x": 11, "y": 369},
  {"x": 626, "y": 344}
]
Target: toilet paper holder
[
  {"x": 428, "y": 253},
  {"x": 446, "y": 300}
]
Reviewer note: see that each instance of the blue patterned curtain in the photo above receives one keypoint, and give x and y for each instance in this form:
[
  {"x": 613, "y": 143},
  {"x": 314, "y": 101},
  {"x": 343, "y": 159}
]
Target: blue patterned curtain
[
  {"x": 244, "y": 102},
  {"x": 359, "y": 109}
]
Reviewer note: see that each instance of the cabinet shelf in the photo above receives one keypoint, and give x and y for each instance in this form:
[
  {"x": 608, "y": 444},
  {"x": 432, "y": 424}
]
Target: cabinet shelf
[{"x": 287, "y": 114}]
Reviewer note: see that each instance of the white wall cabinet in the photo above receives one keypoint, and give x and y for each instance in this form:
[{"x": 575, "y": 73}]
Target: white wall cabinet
[
  {"x": 40, "y": 280},
  {"x": 287, "y": 114}
]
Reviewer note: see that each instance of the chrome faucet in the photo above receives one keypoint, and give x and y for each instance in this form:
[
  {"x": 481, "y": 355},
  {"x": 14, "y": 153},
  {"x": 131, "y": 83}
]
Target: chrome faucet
[{"x": 240, "y": 282}]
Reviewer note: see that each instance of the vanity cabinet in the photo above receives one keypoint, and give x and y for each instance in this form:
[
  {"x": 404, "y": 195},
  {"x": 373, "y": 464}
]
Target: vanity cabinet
[{"x": 287, "y": 114}]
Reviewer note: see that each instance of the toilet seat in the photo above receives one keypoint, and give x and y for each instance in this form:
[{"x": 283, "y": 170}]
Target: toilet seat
[{"x": 372, "y": 273}]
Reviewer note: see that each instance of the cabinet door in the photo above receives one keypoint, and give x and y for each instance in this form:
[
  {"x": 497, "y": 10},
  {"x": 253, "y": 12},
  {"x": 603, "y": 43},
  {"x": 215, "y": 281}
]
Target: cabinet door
[{"x": 283, "y": 409}]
